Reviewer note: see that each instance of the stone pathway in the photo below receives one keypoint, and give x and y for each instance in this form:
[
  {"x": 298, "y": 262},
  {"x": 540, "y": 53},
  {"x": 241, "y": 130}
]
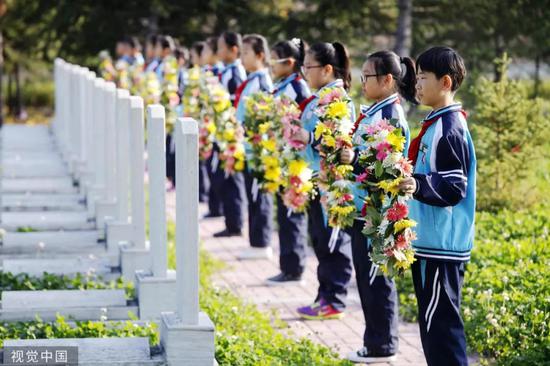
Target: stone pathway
[{"x": 246, "y": 279}]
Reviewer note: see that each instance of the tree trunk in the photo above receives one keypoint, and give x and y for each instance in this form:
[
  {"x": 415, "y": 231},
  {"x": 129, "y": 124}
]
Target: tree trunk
[
  {"x": 10, "y": 93},
  {"x": 537, "y": 76},
  {"x": 1, "y": 84},
  {"x": 403, "y": 36},
  {"x": 18, "y": 100}
]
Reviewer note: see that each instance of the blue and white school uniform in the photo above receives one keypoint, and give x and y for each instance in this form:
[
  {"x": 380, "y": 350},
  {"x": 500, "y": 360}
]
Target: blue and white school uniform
[
  {"x": 232, "y": 76},
  {"x": 231, "y": 189},
  {"x": 334, "y": 269},
  {"x": 260, "y": 204},
  {"x": 208, "y": 170},
  {"x": 152, "y": 66},
  {"x": 293, "y": 225},
  {"x": 378, "y": 294},
  {"x": 444, "y": 209}
]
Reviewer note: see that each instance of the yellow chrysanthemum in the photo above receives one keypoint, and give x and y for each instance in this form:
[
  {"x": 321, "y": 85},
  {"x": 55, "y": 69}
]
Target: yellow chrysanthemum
[
  {"x": 239, "y": 165},
  {"x": 270, "y": 161},
  {"x": 229, "y": 134},
  {"x": 397, "y": 140},
  {"x": 329, "y": 141},
  {"x": 321, "y": 129},
  {"x": 269, "y": 145},
  {"x": 402, "y": 225},
  {"x": 342, "y": 210},
  {"x": 296, "y": 167},
  {"x": 344, "y": 169},
  {"x": 211, "y": 128},
  {"x": 337, "y": 110},
  {"x": 273, "y": 174},
  {"x": 264, "y": 127},
  {"x": 390, "y": 186}
]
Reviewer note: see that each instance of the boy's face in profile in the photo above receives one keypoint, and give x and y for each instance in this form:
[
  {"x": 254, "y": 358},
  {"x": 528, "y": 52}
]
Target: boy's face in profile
[
  {"x": 429, "y": 89},
  {"x": 225, "y": 53}
]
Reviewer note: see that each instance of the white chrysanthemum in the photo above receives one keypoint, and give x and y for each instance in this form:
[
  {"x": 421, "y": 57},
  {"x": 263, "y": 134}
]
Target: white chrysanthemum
[
  {"x": 391, "y": 160},
  {"x": 346, "y": 125}
]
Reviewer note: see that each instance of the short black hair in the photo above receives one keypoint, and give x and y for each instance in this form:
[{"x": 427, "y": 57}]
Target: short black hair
[
  {"x": 166, "y": 42},
  {"x": 259, "y": 45},
  {"x": 442, "y": 61},
  {"x": 198, "y": 47},
  {"x": 232, "y": 39},
  {"x": 212, "y": 43},
  {"x": 181, "y": 52}
]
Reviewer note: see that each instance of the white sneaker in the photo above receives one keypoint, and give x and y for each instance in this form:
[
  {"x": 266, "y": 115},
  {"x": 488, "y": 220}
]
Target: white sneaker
[
  {"x": 363, "y": 356},
  {"x": 256, "y": 253}
]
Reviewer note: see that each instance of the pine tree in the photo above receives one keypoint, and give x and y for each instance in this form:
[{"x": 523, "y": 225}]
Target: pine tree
[{"x": 509, "y": 131}]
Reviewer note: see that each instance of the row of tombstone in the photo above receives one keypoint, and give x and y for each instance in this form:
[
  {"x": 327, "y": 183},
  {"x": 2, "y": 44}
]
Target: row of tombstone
[{"x": 77, "y": 190}]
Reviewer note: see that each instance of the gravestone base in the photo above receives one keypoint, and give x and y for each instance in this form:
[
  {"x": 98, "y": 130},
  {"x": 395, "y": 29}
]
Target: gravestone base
[
  {"x": 104, "y": 211},
  {"x": 133, "y": 259},
  {"x": 150, "y": 289},
  {"x": 187, "y": 345},
  {"x": 116, "y": 233}
]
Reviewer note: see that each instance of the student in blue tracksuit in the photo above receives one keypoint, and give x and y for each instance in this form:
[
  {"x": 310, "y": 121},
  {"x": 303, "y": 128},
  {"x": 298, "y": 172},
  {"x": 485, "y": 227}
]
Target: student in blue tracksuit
[
  {"x": 384, "y": 77},
  {"x": 444, "y": 192},
  {"x": 196, "y": 61},
  {"x": 151, "y": 60},
  {"x": 287, "y": 58},
  {"x": 209, "y": 56},
  {"x": 211, "y": 63},
  {"x": 165, "y": 47},
  {"x": 255, "y": 56},
  {"x": 231, "y": 189},
  {"x": 325, "y": 65}
]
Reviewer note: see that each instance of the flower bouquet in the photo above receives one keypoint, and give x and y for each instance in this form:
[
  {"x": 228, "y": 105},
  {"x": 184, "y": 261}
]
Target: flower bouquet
[
  {"x": 385, "y": 209},
  {"x": 335, "y": 179},
  {"x": 232, "y": 156},
  {"x": 207, "y": 125},
  {"x": 169, "y": 97},
  {"x": 297, "y": 184},
  {"x": 262, "y": 134}
]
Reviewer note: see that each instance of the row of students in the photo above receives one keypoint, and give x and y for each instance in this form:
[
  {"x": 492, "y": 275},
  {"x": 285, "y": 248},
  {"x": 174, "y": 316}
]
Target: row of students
[
  {"x": 443, "y": 188},
  {"x": 443, "y": 184}
]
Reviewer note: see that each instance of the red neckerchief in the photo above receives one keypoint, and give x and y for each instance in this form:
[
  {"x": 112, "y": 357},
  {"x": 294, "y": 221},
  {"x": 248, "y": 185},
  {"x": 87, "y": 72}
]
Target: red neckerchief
[
  {"x": 415, "y": 143},
  {"x": 356, "y": 124},
  {"x": 305, "y": 102},
  {"x": 238, "y": 93}
]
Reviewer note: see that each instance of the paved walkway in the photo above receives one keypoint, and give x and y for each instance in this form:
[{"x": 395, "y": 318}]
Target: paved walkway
[{"x": 246, "y": 279}]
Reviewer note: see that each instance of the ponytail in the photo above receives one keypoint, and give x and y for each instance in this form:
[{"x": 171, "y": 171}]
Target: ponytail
[
  {"x": 301, "y": 51},
  {"x": 336, "y": 55},
  {"x": 407, "y": 86},
  {"x": 402, "y": 70},
  {"x": 295, "y": 49},
  {"x": 343, "y": 70}
]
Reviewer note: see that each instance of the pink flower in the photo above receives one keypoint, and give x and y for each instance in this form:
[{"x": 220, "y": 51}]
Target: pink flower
[
  {"x": 174, "y": 100},
  {"x": 256, "y": 139},
  {"x": 397, "y": 212},
  {"x": 330, "y": 97},
  {"x": 382, "y": 149},
  {"x": 295, "y": 181},
  {"x": 362, "y": 177},
  {"x": 404, "y": 166},
  {"x": 401, "y": 242},
  {"x": 388, "y": 252}
]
